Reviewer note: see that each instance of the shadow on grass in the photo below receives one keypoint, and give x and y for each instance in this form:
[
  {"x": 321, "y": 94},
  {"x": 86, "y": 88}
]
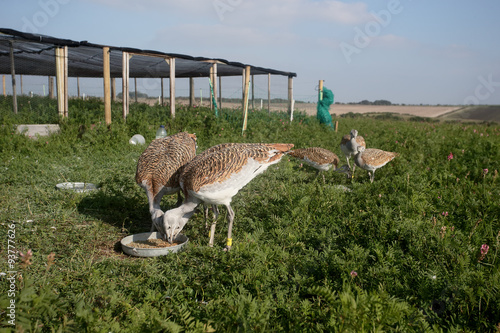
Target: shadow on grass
[{"x": 118, "y": 210}]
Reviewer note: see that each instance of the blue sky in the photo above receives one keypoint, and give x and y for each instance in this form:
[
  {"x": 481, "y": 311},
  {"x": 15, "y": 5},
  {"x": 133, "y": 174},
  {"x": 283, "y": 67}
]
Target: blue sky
[{"x": 412, "y": 52}]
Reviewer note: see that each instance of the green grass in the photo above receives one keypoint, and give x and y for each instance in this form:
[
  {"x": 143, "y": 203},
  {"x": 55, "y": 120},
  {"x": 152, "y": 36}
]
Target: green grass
[{"x": 413, "y": 237}]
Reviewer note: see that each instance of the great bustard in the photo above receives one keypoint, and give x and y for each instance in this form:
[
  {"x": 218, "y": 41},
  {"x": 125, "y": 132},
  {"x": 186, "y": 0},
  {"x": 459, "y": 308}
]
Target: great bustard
[
  {"x": 349, "y": 145},
  {"x": 319, "y": 158},
  {"x": 372, "y": 159},
  {"x": 159, "y": 167},
  {"x": 215, "y": 210},
  {"x": 215, "y": 178}
]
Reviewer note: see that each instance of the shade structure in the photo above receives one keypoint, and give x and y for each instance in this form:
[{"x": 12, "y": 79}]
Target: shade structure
[{"x": 41, "y": 55}]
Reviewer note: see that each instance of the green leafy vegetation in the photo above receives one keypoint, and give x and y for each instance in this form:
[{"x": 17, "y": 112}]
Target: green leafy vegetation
[{"x": 416, "y": 251}]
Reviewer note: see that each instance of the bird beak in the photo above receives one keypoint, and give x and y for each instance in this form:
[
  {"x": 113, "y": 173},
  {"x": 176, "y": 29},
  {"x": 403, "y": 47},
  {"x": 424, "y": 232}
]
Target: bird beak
[{"x": 171, "y": 234}]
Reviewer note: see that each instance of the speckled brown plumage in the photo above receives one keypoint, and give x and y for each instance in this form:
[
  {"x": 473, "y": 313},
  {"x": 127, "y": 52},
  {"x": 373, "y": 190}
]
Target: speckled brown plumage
[
  {"x": 319, "y": 158},
  {"x": 217, "y": 165},
  {"x": 160, "y": 165},
  {"x": 373, "y": 159}
]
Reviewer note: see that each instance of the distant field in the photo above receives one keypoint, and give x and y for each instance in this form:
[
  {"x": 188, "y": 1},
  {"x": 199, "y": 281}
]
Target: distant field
[
  {"x": 421, "y": 111},
  {"x": 477, "y": 112},
  {"x": 457, "y": 112}
]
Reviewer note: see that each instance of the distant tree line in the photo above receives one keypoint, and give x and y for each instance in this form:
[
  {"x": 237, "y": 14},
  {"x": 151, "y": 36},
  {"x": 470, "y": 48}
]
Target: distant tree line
[{"x": 377, "y": 102}]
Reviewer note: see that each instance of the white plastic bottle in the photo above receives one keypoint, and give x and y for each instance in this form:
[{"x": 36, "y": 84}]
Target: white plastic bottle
[{"x": 161, "y": 132}]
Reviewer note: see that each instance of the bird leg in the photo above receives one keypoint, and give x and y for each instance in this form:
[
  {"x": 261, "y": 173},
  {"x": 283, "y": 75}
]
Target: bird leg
[
  {"x": 372, "y": 176},
  {"x": 212, "y": 227},
  {"x": 205, "y": 215},
  {"x": 350, "y": 174},
  {"x": 157, "y": 218},
  {"x": 230, "y": 217},
  {"x": 156, "y": 212}
]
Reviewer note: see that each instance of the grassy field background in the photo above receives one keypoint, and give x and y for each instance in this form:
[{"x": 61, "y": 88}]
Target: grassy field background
[{"x": 416, "y": 251}]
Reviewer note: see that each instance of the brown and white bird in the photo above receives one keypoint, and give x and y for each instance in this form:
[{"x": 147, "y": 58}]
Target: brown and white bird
[
  {"x": 159, "y": 168},
  {"x": 215, "y": 178},
  {"x": 349, "y": 144},
  {"x": 319, "y": 158},
  {"x": 372, "y": 159},
  {"x": 215, "y": 210}
]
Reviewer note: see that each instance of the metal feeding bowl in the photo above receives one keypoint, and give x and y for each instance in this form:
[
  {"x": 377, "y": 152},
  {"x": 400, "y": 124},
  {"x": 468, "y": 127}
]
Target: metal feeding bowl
[
  {"x": 149, "y": 244},
  {"x": 77, "y": 187}
]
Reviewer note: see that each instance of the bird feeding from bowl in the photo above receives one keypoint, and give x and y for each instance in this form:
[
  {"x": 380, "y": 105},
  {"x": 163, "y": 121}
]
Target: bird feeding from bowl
[{"x": 215, "y": 178}]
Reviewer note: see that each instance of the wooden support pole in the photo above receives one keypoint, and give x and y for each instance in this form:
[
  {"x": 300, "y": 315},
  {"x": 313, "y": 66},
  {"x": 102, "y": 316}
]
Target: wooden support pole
[
  {"x": 214, "y": 81},
  {"x": 113, "y": 89},
  {"x": 135, "y": 89},
  {"x": 172, "y": 87},
  {"x": 243, "y": 89},
  {"x": 107, "y": 89},
  {"x": 65, "y": 64},
  {"x": 245, "y": 98},
  {"x": 62, "y": 80},
  {"x": 269, "y": 92},
  {"x": 290, "y": 94},
  {"x": 51, "y": 87},
  {"x": 3, "y": 85},
  {"x": 78, "y": 87},
  {"x": 21, "y": 79},
  {"x": 191, "y": 92},
  {"x": 161, "y": 84},
  {"x": 13, "y": 74},
  {"x": 320, "y": 90},
  {"x": 125, "y": 84},
  {"x": 253, "y": 93},
  {"x": 211, "y": 78},
  {"x": 220, "y": 92}
]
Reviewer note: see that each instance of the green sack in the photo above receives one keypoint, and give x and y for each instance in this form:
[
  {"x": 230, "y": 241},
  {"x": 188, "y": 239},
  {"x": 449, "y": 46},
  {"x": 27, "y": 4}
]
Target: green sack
[{"x": 323, "y": 108}]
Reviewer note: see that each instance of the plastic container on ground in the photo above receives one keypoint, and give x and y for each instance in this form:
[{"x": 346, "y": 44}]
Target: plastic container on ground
[
  {"x": 137, "y": 139},
  {"x": 181, "y": 239},
  {"x": 161, "y": 132},
  {"x": 77, "y": 187}
]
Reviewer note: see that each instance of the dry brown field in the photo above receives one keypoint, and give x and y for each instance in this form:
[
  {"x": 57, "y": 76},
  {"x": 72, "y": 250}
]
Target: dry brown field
[
  {"x": 339, "y": 109},
  {"x": 450, "y": 112}
]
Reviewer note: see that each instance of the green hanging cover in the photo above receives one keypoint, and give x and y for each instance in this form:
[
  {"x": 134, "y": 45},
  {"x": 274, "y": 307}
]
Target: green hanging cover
[
  {"x": 323, "y": 108},
  {"x": 214, "y": 101}
]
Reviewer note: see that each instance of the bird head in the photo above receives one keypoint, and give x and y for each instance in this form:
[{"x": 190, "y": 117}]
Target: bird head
[
  {"x": 354, "y": 133},
  {"x": 360, "y": 149},
  {"x": 172, "y": 225}
]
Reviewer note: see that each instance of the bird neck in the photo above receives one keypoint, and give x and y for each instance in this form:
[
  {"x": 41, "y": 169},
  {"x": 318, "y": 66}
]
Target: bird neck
[
  {"x": 187, "y": 209},
  {"x": 358, "y": 159},
  {"x": 353, "y": 143}
]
